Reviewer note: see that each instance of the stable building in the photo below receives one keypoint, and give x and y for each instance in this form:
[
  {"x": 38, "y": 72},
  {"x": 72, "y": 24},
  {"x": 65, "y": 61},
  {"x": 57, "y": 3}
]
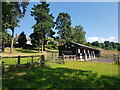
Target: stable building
[{"x": 78, "y": 51}]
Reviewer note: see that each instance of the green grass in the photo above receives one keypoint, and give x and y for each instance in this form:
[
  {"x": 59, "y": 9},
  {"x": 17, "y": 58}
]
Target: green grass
[
  {"x": 72, "y": 74},
  {"x": 100, "y": 68},
  {"x": 19, "y": 50},
  {"x": 13, "y": 61},
  {"x": 51, "y": 50}
]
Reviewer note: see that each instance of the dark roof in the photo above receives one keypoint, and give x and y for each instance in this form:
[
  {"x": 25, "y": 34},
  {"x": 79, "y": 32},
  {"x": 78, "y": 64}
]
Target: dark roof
[{"x": 82, "y": 45}]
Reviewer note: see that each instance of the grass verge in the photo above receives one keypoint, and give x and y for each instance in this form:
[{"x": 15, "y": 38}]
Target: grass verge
[{"x": 73, "y": 74}]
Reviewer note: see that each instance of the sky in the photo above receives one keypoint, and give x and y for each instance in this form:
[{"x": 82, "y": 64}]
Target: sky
[{"x": 99, "y": 19}]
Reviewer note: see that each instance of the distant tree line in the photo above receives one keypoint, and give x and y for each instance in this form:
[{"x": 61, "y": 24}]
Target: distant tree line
[
  {"x": 105, "y": 45},
  {"x": 44, "y": 35}
]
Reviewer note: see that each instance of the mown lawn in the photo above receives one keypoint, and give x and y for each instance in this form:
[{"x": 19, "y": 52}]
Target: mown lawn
[
  {"x": 23, "y": 52},
  {"x": 72, "y": 74},
  {"x": 14, "y": 61}
]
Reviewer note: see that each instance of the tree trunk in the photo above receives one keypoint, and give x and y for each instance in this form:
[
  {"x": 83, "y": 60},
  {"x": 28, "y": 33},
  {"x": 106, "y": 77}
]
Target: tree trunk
[
  {"x": 39, "y": 46},
  {"x": 44, "y": 43},
  {"x": 3, "y": 45},
  {"x": 11, "y": 48},
  {"x": 3, "y": 38},
  {"x": 42, "y": 46},
  {"x": 44, "y": 40}
]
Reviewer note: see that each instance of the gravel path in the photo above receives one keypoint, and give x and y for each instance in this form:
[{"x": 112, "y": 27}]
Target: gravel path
[{"x": 103, "y": 60}]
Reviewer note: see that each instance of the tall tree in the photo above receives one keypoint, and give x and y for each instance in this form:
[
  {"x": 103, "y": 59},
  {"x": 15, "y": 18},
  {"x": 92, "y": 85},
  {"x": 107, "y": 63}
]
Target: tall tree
[
  {"x": 22, "y": 40},
  {"x": 114, "y": 45},
  {"x": 88, "y": 43},
  {"x": 102, "y": 45},
  {"x": 107, "y": 45},
  {"x": 63, "y": 25},
  {"x": 35, "y": 39},
  {"x": 95, "y": 43},
  {"x": 78, "y": 34},
  {"x": 13, "y": 12},
  {"x": 44, "y": 22},
  {"x": 118, "y": 46},
  {"x": 7, "y": 39}
]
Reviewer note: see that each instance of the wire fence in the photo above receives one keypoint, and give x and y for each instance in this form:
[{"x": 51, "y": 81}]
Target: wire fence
[{"x": 105, "y": 58}]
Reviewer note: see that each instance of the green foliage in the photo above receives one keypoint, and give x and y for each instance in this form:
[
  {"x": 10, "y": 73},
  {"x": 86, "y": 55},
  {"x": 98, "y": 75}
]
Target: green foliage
[
  {"x": 88, "y": 44},
  {"x": 63, "y": 25},
  {"x": 118, "y": 46},
  {"x": 95, "y": 43},
  {"x": 51, "y": 47},
  {"x": 114, "y": 45},
  {"x": 78, "y": 35},
  {"x": 12, "y": 12},
  {"x": 107, "y": 44},
  {"x": 102, "y": 45},
  {"x": 44, "y": 23},
  {"x": 35, "y": 39},
  {"x": 22, "y": 40},
  {"x": 7, "y": 37}
]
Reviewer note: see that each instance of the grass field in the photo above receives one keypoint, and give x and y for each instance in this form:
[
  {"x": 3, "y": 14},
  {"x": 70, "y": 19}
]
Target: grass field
[
  {"x": 27, "y": 52},
  {"x": 72, "y": 74},
  {"x": 109, "y": 52},
  {"x": 22, "y": 52},
  {"x": 13, "y": 61}
]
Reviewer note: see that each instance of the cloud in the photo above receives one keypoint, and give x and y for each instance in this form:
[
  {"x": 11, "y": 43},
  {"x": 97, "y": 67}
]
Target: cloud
[{"x": 100, "y": 39}]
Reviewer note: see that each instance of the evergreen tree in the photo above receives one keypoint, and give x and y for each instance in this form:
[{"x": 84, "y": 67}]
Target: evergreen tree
[
  {"x": 118, "y": 46},
  {"x": 95, "y": 43},
  {"x": 35, "y": 39},
  {"x": 114, "y": 45},
  {"x": 22, "y": 40},
  {"x": 107, "y": 45},
  {"x": 63, "y": 25},
  {"x": 44, "y": 22}
]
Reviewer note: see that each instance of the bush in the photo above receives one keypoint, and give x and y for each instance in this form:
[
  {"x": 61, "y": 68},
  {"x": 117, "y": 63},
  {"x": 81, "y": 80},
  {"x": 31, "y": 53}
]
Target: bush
[
  {"x": 27, "y": 46},
  {"x": 52, "y": 47}
]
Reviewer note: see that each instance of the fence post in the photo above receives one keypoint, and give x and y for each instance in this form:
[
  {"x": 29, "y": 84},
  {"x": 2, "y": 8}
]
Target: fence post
[
  {"x": 18, "y": 59},
  {"x": 42, "y": 60},
  {"x": 32, "y": 59},
  {"x": 118, "y": 60},
  {"x": 3, "y": 67},
  {"x": 52, "y": 55},
  {"x": 106, "y": 58}
]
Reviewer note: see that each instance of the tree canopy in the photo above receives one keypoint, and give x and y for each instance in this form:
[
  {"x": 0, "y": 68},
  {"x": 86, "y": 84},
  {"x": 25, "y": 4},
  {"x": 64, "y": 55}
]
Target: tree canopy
[
  {"x": 78, "y": 34},
  {"x": 44, "y": 22},
  {"x": 63, "y": 25},
  {"x": 22, "y": 40},
  {"x": 12, "y": 12}
]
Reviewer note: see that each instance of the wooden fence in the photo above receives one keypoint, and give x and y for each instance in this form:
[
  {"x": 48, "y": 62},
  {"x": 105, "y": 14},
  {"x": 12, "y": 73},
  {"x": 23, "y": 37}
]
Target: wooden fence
[
  {"x": 40, "y": 62},
  {"x": 20, "y": 57},
  {"x": 117, "y": 59}
]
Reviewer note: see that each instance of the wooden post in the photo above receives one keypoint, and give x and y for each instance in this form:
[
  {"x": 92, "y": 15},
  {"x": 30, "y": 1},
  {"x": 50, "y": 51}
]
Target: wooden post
[
  {"x": 52, "y": 55},
  {"x": 3, "y": 67},
  {"x": 42, "y": 60},
  {"x": 118, "y": 60},
  {"x": 106, "y": 58},
  {"x": 32, "y": 59},
  {"x": 18, "y": 59}
]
